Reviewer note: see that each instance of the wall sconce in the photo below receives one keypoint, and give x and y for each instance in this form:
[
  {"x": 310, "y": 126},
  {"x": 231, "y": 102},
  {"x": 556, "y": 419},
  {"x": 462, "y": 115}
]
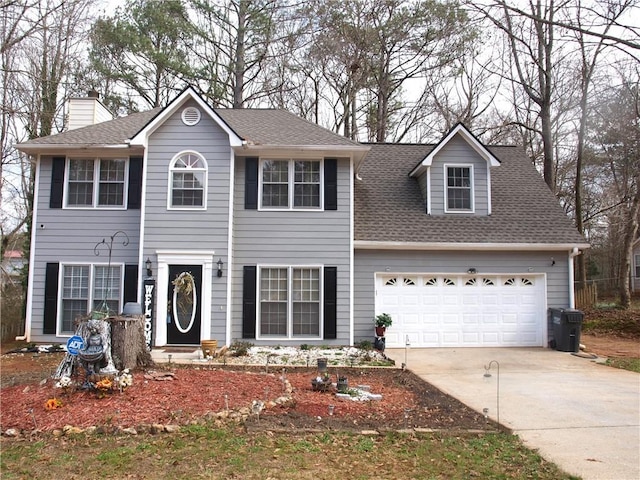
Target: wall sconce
[
  {"x": 472, "y": 271},
  {"x": 219, "y": 263},
  {"x": 148, "y": 265},
  {"x": 553, "y": 261}
]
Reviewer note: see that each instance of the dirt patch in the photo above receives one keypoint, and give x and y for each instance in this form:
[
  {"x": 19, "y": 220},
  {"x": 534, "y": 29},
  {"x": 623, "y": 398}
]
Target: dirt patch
[
  {"x": 611, "y": 347},
  {"x": 198, "y": 393}
]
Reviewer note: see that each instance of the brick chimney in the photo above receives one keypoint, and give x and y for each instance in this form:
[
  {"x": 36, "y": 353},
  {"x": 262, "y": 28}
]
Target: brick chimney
[{"x": 87, "y": 110}]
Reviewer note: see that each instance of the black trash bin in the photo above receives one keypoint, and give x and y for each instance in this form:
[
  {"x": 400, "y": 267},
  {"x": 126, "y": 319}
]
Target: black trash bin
[{"x": 567, "y": 326}]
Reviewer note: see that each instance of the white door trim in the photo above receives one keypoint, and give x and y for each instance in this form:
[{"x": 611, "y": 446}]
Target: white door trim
[{"x": 180, "y": 257}]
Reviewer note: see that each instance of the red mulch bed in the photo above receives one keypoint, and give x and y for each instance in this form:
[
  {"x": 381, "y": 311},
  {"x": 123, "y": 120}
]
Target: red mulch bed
[{"x": 407, "y": 402}]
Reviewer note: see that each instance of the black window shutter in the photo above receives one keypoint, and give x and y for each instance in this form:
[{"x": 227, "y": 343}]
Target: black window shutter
[
  {"x": 330, "y": 302},
  {"x": 57, "y": 182},
  {"x": 251, "y": 183},
  {"x": 330, "y": 184},
  {"x": 50, "y": 298},
  {"x": 135, "y": 183},
  {"x": 130, "y": 283},
  {"x": 249, "y": 302}
]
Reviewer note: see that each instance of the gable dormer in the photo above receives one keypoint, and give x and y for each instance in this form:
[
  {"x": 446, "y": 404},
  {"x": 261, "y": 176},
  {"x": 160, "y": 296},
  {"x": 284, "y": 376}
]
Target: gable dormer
[{"x": 455, "y": 177}]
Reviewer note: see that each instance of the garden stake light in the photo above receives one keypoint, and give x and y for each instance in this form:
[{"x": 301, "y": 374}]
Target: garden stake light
[
  {"x": 331, "y": 409},
  {"x": 487, "y": 375}
]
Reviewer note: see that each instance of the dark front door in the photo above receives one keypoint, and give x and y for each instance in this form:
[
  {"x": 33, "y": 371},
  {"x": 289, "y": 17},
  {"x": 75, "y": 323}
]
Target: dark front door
[{"x": 184, "y": 304}]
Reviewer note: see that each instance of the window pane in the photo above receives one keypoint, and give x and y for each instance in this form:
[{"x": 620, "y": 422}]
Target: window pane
[
  {"x": 458, "y": 188},
  {"x": 306, "y": 184},
  {"x": 75, "y": 295},
  {"x": 273, "y": 301},
  {"x": 306, "y": 301},
  {"x": 80, "y": 185},
  {"x": 275, "y": 183},
  {"x": 111, "y": 186},
  {"x": 106, "y": 289},
  {"x": 188, "y": 189}
]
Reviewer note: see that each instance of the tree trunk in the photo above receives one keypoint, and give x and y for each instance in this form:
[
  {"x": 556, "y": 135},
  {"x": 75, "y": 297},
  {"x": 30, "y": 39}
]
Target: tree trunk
[
  {"x": 239, "y": 63},
  {"x": 630, "y": 235},
  {"x": 128, "y": 346}
]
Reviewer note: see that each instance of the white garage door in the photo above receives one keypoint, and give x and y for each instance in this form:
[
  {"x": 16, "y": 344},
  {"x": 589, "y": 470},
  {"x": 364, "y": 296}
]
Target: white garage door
[{"x": 462, "y": 311}]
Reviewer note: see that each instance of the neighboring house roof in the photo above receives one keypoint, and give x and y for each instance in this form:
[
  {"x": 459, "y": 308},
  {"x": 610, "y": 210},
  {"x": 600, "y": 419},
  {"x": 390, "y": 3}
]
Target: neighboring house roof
[{"x": 389, "y": 206}]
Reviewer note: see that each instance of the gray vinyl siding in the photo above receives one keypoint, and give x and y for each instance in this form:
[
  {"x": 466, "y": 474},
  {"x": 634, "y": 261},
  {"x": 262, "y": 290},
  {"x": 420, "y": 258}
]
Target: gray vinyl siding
[
  {"x": 202, "y": 230},
  {"x": 458, "y": 151},
  {"x": 289, "y": 238},
  {"x": 367, "y": 263},
  {"x": 69, "y": 236}
]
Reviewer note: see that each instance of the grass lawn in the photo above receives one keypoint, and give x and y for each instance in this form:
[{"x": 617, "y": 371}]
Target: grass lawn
[{"x": 204, "y": 452}]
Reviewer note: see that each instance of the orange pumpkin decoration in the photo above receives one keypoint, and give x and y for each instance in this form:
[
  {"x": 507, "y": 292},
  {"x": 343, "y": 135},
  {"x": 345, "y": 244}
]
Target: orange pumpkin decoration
[{"x": 52, "y": 404}]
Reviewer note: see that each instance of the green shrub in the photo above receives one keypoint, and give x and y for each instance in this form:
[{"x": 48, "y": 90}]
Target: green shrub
[{"x": 240, "y": 348}]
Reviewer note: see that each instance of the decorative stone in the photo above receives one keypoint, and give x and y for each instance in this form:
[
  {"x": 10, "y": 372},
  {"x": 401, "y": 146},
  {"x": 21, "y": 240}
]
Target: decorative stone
[
  {"x": 11, "y": 432},
  {"x": 71, "y": 430},
  {"x": 129, "y": 431},
  {"x": 171, "y": 428}
]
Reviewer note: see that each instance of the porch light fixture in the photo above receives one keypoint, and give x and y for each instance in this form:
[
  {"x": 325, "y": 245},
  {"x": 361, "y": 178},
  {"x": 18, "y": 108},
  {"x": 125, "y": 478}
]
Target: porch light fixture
[
  {"x": 553, "y": 261},
  {"x": 148, "y": 265},
  {"x": 472, "y": 271},
  {"x": 219, "y": 263}
]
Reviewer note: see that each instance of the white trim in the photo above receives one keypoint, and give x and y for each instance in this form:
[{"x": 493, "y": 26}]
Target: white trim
[
  {"x": 230, "y": 250},
  {"x": 428, "y": 174},
  {"x": 290, "y": 336},
  {"x": 172, "y": 170},
  {"x": 572, "y": 295},
  {"x": 469, "y": 138},
  {"x": 351, "y": 258},
  {"x": 142, "y": 137},
  {"x": 63, "y": 147},
  {"x": 187, "y": 257},
  {"x": 543, "y": 247},
  {"x": 32, "y": 252},
  {"x": 445, "y": 175},
  {"x": 141, "y": 244}
]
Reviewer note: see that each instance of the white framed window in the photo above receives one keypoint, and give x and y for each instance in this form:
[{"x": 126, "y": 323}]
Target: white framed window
[
  {"x": 637, "y": 269},
  {"x": 188, "y": 182},
  {"x": 458, "y": 188},
  {"x": 291, "y": 184},
  {"x": 86, "y": 288},
  {"x": 96, "y": 182},
  {"x": 289, "y": 302}
]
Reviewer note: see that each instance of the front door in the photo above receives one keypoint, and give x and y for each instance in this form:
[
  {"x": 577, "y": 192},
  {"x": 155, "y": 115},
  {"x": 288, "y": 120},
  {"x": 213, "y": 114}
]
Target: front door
[{"x": 184, "y": 304}]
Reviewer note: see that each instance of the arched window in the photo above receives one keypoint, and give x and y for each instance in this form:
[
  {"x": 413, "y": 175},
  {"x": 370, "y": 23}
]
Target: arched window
[{"x": 188, "y": 181}]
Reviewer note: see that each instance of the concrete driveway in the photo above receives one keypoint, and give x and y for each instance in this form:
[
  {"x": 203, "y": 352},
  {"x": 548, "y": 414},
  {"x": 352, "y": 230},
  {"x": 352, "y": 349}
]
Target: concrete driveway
[{"x": 580, "y": 415}]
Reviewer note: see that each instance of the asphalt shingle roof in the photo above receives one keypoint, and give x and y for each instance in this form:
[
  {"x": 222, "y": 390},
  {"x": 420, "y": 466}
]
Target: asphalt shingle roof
[
  {"x": 389, "y": 206},
  {"x": 279, "y": 127},
  {"x": 112, "y": 132},
  {"x": 256, "y": 126}
]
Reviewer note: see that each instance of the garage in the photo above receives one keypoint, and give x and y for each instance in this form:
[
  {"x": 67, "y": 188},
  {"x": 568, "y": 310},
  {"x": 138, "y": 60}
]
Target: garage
[{"x": 463, "y": 310}]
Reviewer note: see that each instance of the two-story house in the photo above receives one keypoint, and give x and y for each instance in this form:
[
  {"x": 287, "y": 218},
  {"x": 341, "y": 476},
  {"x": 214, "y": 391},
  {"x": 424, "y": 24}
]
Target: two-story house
[{"x": 256, "y": 224}]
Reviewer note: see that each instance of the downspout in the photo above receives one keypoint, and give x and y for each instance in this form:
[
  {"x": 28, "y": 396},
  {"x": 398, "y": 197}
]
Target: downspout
[{"x": 572, "y": 296}]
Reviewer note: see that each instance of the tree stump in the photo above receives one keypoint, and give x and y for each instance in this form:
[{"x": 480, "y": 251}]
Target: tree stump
[{"x": 128, "y": 345}]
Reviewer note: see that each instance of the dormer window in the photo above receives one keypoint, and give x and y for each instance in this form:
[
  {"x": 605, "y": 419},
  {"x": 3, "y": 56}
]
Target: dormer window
[{"x": 459, "y": 188}]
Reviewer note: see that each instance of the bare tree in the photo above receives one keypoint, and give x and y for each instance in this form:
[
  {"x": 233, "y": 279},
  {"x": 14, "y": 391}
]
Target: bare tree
[{"x": 616, "y": 141}]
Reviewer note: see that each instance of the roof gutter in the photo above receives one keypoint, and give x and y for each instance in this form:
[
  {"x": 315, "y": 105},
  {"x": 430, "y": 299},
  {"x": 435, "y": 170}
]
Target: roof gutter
[
  {"x": 40, "y": 147},
  {"x": 541, "y": 247},
  {"x": 358, "y": 152}
]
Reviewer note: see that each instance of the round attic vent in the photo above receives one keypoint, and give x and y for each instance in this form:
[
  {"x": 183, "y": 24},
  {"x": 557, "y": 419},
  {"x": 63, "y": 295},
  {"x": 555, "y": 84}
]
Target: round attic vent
[{"x": 190, "y": 116}]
